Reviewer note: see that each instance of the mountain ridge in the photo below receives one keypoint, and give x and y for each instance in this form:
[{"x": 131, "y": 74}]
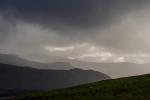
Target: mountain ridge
[
  {"x": 18, "y": 61},
  {"x": 32, "y": 79},
  {"x": 114, "y": 70}
]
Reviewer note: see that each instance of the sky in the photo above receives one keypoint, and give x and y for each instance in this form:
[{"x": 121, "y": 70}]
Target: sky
[{"x": 85, "y": 30}]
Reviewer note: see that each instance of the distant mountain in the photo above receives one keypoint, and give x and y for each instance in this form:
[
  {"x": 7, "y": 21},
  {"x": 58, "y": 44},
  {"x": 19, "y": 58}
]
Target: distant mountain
[
  {"x": 26, "y": 78},
  {"x": 18, "y": 61},
  {"x": 115, "y": 70}
]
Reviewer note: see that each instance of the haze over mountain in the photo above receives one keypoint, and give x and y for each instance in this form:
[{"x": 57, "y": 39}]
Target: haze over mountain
[
  {"x": 15, "y": 60},
  {"x": 115, "y": 70}
]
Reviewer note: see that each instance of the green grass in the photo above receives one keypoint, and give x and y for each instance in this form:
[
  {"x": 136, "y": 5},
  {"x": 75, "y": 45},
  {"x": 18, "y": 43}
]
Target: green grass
[{"x": 132, "y": 88}]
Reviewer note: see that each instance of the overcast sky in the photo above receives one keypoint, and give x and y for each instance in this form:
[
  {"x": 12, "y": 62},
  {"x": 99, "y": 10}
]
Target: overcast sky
[{"x": 87, "y": 30}]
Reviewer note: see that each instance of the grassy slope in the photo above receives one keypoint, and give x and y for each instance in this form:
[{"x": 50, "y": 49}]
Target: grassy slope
[{"x": 132, "y": 88}]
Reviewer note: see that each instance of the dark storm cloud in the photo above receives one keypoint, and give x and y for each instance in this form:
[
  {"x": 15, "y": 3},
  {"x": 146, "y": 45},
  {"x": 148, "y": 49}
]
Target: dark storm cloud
[
  {"x": 71, "y": 14},
  {"x": 70, "y": 11},
  {"x": 67, "y": 16},
  {"x": 81, "y": 14}
]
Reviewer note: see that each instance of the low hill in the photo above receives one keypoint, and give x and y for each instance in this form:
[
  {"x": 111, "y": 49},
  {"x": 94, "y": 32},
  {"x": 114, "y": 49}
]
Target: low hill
[
  {"x": 132, "y": 88},
  {"x": 14, "y": 78}
]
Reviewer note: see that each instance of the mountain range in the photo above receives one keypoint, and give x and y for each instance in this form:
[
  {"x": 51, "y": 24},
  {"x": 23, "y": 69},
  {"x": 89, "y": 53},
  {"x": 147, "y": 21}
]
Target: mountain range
[
  {"x": 18, "y": 61},
  {"x": 114, "y": 70},
  {"x": 15, "y": 78},
  {"x": 19, "y": 75}
]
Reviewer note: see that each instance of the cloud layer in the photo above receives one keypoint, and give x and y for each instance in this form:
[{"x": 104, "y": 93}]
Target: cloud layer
[{"x": 116, "y": 30}]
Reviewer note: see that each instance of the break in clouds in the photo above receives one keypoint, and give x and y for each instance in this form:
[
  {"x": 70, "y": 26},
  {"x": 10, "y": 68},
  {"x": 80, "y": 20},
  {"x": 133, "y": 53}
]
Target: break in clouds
[{"x": 87, "y": 30}]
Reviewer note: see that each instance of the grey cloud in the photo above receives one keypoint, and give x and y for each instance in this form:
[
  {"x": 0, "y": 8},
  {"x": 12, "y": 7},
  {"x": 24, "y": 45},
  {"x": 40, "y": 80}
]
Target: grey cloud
[
  {"x": 80, "y": 14},
  {"x": 68, "y": 16},
  {"x": 120, "y": 26}
]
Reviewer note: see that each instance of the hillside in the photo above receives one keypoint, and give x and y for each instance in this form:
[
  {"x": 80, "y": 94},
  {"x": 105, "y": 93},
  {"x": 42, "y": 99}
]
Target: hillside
[
  {"x": 15, "y": 78},
  {"x": 132, "y": 88}
]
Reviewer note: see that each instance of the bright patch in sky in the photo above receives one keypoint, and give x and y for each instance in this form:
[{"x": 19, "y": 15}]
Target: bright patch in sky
[
  {"x": 59, "y": 49},
  {"x": 89, "y": 52},
  {"x": 84, "y": 52}
]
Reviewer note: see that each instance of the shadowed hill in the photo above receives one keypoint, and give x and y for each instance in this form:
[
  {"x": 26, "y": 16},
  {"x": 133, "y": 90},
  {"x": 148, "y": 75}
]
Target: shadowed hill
[
  {"x": 131, "y": 88},
  {"x": 26, "y": 78}
]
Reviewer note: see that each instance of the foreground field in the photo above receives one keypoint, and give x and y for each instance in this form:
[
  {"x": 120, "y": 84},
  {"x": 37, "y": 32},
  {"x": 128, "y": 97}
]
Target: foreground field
[{"x": 132, "y": 88}]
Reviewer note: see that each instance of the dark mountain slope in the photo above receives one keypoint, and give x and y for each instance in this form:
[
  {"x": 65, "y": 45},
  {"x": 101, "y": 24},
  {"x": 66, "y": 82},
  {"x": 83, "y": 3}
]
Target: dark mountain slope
[
  {"x": 131, "y": 88},
  {"x": 25, "y": 78}
]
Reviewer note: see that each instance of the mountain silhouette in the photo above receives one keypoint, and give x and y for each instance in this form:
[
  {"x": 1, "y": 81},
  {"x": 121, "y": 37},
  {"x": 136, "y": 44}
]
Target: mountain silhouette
[
  {"x": 115, "y": 70},
  {"x": 25, "y": 78}
]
